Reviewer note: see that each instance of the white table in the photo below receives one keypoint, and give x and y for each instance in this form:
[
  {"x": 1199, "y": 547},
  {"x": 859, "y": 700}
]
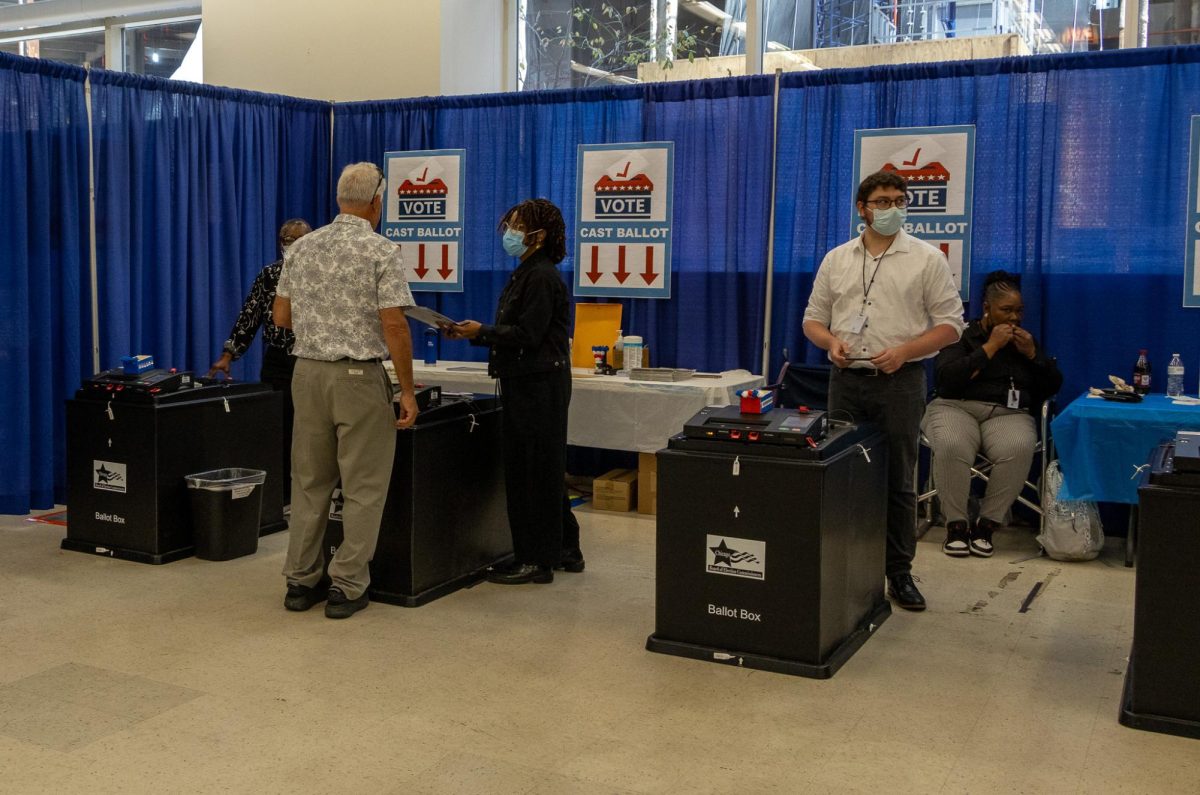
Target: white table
[{"x": 611, "y": 412}]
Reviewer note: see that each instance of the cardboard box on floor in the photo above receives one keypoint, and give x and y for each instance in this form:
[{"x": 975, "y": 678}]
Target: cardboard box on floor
[
  {"x": 647, "y": 501},
  {"x": 615, "y": 490}
]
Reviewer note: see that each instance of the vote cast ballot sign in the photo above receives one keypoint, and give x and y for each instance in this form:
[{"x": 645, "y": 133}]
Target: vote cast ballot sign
[
  {"x": 1191, "y": 259},
  {"x": 422, "y": 212},
  {"x": 938, "y": 163},
  {"x": 623, "y": 220}
]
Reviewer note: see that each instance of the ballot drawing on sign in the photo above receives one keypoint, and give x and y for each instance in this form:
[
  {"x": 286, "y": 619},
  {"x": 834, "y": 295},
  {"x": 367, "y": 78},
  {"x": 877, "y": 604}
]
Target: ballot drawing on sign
[
  {"x": 1191, "y": 257},
  {"x": 938, "y": 163},
  {"x": 422, "y": 213},
  {"x": 623, "y": 220}
]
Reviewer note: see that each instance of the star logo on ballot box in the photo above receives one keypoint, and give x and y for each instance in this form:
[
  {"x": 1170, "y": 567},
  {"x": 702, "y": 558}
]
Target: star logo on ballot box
[{"x": 723, "y": 555}]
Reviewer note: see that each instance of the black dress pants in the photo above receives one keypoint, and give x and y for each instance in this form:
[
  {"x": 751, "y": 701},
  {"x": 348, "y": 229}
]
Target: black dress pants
[
  {"x": 277, "y": 369},
  {"x": 534, "y": 421},
  {"x": 896, "y": 403}
]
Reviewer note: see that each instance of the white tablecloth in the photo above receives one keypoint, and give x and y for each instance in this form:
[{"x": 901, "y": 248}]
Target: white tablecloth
[{"x": 611, "y": 411}]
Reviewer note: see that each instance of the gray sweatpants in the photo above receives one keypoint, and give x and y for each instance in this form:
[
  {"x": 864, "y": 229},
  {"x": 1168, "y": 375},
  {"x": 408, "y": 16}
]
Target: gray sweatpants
[
  {"x": 958, "y": 430},
  {"x": 344, "y": 426}
]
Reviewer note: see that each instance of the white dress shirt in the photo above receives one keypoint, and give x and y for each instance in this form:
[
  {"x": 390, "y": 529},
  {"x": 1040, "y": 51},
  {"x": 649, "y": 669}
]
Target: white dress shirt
[{"x": 902, "y": 294}]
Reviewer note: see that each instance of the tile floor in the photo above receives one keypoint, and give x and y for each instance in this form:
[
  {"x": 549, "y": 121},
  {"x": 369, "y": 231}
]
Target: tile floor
[{"x": 190, "y": 677}]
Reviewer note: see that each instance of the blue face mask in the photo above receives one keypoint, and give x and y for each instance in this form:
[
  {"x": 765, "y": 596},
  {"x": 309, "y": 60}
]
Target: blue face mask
[
  {"x": 888, "y": 222},
  {"x": 514, "y": 243}
]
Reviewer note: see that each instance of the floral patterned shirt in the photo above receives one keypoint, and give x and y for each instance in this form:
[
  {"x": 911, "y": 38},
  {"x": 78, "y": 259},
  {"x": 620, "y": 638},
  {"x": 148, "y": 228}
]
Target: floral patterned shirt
[
  {"x": 256, "y": 311},
  {"x": 338, "y": 278}
]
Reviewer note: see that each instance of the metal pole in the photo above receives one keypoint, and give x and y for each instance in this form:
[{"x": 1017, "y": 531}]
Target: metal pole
[
  {"x": 769, "y": 293},
  {"x": 94, "y": 280}
]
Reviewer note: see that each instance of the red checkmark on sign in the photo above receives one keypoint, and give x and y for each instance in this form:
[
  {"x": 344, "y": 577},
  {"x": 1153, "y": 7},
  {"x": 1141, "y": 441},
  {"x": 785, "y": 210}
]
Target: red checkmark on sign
[
  {"x": 916, "y": 155},
  {"x": 623, "y": 172},
  {"x": 426, "y": 171}
]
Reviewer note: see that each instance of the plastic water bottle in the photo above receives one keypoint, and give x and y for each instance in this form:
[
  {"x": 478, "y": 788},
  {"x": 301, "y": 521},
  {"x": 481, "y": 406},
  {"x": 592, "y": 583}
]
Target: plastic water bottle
[
  {"x": 1175, "y": 376},
  {"x": 431, "y": 346}
]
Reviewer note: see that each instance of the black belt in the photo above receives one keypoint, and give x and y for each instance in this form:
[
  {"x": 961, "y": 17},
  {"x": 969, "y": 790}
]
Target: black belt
[
  {"x": 358, "y": 361},
  {"x": 871, "y": 372}
]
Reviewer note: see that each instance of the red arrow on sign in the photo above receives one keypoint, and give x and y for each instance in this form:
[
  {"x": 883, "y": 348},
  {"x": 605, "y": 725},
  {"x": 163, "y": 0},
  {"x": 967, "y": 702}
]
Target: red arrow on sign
[
  {"x": 594, "y": 273},
  {"x": 945, "y": 247},
  {"x": 445, "y": 270},
  {"x": 649, "y": 275},
  {"x": 621, "y": 273},
  {"x": 421, "y": 270}
]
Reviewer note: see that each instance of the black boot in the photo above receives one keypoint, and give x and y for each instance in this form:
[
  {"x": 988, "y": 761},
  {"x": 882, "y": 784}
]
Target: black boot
[{"x": 571, "y": 560}]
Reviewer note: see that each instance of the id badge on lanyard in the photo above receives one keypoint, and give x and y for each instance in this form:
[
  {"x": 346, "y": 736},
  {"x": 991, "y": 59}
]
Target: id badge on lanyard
[{"x": 1014, "y": 395}]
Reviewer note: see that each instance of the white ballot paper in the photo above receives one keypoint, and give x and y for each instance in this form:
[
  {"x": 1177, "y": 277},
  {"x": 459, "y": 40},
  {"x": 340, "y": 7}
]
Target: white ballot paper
[{"x": 428, "y": 316}]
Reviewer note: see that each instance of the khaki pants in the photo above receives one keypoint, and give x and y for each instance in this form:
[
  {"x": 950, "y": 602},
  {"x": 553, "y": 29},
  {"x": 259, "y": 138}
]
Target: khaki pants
[{"x": 344, "y": 427}]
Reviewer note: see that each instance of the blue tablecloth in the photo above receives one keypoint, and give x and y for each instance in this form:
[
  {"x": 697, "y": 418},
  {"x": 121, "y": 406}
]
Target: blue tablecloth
[{"x": 1100, "y": 443}]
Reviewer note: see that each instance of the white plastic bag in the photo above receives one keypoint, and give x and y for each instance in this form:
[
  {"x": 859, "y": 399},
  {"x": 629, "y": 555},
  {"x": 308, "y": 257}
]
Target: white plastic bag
[{"x": 1072, "y": 527}]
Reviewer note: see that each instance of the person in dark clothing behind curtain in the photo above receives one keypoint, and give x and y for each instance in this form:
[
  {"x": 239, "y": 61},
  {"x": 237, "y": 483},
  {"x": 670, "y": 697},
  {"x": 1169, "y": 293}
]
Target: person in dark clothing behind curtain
[
  {"x": 529, "y": 355},
  {"x": 278, "y": 361},
  {"x": 989, "y": 383}
]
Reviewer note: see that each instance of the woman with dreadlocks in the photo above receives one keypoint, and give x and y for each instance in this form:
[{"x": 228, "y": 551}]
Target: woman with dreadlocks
[
  {"x": 989, "y": 383},
  {"x": 530, "y": 357}
]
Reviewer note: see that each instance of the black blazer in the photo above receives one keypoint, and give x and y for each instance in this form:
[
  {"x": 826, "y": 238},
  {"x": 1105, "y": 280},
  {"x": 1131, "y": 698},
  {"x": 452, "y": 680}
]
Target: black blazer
[
  {"x": 1038, "y": 378},
  {"x": 530, "y": 332}
]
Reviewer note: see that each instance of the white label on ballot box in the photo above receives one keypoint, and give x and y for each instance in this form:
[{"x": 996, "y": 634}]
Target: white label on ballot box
[{"x": 736, "y": 557}]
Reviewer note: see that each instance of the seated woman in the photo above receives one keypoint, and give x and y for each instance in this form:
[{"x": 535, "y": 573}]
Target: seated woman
[{"x": 989, "y": 384}]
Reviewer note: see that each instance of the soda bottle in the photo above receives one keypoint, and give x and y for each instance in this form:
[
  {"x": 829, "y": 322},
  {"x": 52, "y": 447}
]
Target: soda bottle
[
  {"x": 1141, "y": 373},
  {"x": 1175, "y": 376}
]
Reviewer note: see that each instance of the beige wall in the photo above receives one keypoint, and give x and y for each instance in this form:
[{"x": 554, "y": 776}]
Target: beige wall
[{"x": 343, "y": 50}]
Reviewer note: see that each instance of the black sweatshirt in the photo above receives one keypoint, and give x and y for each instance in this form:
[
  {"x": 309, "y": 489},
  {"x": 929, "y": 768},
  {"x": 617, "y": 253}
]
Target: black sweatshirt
[{"x": 1037, "y": 378}]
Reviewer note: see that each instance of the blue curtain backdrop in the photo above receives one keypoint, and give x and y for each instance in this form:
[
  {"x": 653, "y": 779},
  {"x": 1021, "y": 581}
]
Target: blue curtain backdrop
[
  {"x": 1080, "y": 186},
  {"x": 518, "y": 146},
  {"x": 525, "y": 145},
  {"x": 192, "y": 184},
  {"x": 45, "y": 326}
]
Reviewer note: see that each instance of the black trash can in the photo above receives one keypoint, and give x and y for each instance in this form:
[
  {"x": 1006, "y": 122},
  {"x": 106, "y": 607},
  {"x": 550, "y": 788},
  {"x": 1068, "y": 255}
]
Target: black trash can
[{"x": 226, "y": 505}]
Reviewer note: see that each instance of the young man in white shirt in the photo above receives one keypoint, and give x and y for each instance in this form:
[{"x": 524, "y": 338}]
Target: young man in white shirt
[{"x": 881, "y": 303}]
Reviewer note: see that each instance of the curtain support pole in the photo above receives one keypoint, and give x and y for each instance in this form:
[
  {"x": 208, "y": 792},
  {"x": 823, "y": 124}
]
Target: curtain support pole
[
  {"x": 770, "y": 279},
  {"x": 94, "y": 278}
]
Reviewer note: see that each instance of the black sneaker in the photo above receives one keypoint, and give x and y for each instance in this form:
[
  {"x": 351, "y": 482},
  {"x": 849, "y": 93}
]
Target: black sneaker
[
  {"x": 981, "y": 538},
  {"x": 958, "y": 538},
  {"x": 903, "y": 591},
  {"x": 339, "y": 606},
  {"x": 571, "y": 560},
  {"x": 301, "y": 597}
]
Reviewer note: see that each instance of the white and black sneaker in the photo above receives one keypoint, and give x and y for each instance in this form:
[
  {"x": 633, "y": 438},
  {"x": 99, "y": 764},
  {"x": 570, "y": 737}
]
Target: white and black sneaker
[
  {"x": 981, "y": 538},
  {"x": 957, "y": 543}
]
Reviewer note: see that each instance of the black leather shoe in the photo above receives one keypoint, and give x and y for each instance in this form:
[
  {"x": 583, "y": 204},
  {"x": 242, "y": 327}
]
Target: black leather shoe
[
  {"x": 903, "y": 592},
  {"x": 526, "y": 572},
  {"x": 301, "y": 597},
  {"x": 341, "y": 606},
  {"x": 571, "y": 560}
]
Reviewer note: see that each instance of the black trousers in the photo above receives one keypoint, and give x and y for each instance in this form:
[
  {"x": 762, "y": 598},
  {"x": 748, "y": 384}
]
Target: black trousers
[
  {"x": 534, "y": 421},
  {"x": 896, "y": 403},
  {"x": 277, "y": 368}
]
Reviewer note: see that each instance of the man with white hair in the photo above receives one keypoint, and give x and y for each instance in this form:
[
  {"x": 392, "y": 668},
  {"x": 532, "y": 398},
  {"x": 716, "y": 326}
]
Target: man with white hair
[{"x": 343, "y": 293}]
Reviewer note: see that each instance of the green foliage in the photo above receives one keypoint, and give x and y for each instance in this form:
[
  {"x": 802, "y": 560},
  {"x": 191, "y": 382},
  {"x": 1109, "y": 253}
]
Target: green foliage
[{"x": 613, "y": 39}]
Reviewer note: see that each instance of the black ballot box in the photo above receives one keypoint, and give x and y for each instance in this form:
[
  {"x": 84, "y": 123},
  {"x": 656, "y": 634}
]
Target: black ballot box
[
  {"x": 445, "y": 521},
  {"x": 771, "y": 557},
  {"x": 1162, "y": 683},
  {"x": 127, "y": 456}
]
